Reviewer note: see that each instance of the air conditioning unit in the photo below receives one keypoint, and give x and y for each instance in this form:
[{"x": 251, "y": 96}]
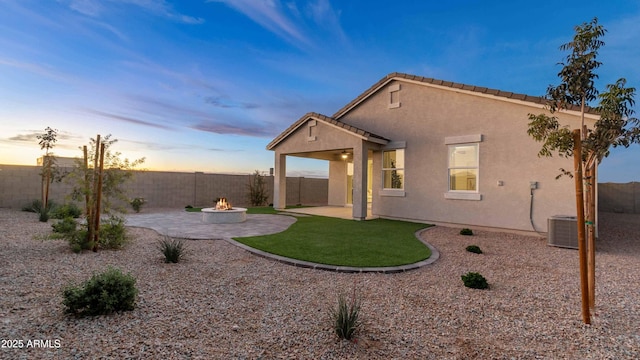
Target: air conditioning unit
[{"x": 563, "y": 231}]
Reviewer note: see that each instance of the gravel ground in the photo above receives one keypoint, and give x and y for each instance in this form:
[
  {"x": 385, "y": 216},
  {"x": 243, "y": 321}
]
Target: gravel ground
[{"x": 224, "y": 303}]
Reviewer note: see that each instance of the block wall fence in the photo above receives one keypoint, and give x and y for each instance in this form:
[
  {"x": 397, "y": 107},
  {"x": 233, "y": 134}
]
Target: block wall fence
[
  {"x": 20, "y": 185},
  {"x": 620, "y": 198}
]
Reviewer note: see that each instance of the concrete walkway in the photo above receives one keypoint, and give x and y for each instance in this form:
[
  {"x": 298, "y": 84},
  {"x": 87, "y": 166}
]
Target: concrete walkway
[{"x": 188, "y": 225}]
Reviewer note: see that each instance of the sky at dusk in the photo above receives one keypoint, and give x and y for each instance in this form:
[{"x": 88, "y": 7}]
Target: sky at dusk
[{"x": 205, "y": 85}]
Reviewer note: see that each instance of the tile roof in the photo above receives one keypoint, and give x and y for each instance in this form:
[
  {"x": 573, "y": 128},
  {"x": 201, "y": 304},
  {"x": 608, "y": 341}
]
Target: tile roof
[
  {"x": 479, "y": 89},
  {"x": 327, "y": 119},
  {"x": 334, "y": 120}
]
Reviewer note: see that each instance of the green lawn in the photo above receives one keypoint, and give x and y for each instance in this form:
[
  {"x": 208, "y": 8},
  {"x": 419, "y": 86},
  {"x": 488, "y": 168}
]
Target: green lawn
[{"x": 332, "y": 241}]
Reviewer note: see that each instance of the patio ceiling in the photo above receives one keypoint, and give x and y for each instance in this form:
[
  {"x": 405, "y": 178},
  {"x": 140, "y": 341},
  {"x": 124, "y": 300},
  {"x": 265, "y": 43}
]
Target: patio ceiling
[{"x": 324, "y": 155}]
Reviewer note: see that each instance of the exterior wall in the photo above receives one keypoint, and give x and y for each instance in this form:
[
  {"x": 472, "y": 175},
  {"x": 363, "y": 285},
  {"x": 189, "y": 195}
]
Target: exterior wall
[
  {"x": 326, "y": 138},
  {"x": 337, "y": 183},
  {"x": 19, "y": 185},
  {"x": 507, "y": 154},
  {"x": 619, "y": 198}
]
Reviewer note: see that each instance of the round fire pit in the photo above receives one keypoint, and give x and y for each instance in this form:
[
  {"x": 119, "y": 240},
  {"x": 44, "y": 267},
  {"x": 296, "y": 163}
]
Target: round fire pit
[{"x": 231, "y": 216}]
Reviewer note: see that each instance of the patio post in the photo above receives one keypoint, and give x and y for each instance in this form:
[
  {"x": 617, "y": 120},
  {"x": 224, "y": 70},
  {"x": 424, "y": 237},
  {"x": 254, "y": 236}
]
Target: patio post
[
  {"x": 280, "y": 182},
  {"x": 360, "y": 154}
]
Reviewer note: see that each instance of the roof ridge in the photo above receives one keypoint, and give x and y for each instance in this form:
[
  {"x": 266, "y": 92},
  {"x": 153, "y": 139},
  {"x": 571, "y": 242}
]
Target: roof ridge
[
  {"x": 454, "y": 85},
  {"x": 327, "y": 119}
]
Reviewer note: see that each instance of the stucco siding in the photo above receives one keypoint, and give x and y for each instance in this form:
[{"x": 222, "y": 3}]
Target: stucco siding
[
  {"x": 427, "y": 116},
  {"x": 326, "y": 137},
  {"x": 337, "y": 183}
]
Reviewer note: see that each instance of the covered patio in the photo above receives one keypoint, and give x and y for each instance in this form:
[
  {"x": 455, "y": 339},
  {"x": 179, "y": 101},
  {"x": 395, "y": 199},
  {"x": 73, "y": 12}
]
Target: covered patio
[{"x": 349, "y": 151}]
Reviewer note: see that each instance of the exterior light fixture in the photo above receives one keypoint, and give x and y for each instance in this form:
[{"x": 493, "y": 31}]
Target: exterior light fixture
[{"x": 344, "y": 155}]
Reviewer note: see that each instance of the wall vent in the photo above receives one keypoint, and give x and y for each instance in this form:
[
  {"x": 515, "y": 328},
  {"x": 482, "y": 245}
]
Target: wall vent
[{"x": 563, "y": 231}]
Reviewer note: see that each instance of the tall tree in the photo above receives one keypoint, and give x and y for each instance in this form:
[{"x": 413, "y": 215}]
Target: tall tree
[
  {"x": 615, "y": 127},
  {"x": 47, "y": 142}
]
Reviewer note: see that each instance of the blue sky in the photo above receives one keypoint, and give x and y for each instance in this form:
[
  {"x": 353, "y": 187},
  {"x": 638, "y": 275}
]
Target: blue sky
[{"x": 199, "y": 85}]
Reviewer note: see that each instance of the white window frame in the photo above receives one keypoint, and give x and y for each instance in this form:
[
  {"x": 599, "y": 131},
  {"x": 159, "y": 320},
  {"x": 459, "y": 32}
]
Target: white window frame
[
  {"x": 393, "y": 146},
  {"x": 467, "y": 140}
]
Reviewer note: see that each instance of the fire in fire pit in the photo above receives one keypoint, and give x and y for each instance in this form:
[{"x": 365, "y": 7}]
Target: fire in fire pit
[{"x": 222, "y": 204}]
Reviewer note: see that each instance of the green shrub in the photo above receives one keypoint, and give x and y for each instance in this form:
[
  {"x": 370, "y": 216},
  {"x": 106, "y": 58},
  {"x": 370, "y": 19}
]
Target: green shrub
[
  {"x": 172, "y": 249},
  {"x": 346, "y": 317},
  {"x": 474, "y": 249},
  {"x": 65, "y": 226},
  {"x": 36, "y": 206},
  {"x": 79, "y": 240},
  {"x": 257, "y": 189},
  {"x": 466, "y": 231},
  {"x": 67, "y": 210},
  {"x": 136, "y": 204},
  {"x": 44, "y": 215},
  {"x": 103, "y": 294},
  {"x": 113, "y": 233},
  {"x": 475, "y": 281}
]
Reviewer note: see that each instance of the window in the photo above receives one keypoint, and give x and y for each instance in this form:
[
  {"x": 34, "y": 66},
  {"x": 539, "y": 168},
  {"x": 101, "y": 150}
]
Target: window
[
  {"x": 463, "y": 167},
  {"x": 393, "y": 169}
]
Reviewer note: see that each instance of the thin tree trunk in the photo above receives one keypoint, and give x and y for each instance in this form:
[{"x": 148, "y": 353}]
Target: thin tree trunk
[
  {"x": 591, "y": 235},
  {"x": 87, "y": 197},
  {"x": 582, "y": 250},
  {"x": 99, "y": 198},
  {"x": 46, "y": 164},
  {"x": 94, "y": 202},
  {"x": 583, "y": 131}
]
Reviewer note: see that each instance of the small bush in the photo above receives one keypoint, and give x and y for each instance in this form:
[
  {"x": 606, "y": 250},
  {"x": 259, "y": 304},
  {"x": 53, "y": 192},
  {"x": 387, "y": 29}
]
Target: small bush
[
  {"x": 79, "y": 241},
  {"x": 67, "y": 210},
  {"x": 36, "y": 206},
  {"x": 466, "y": 231},
  {"x": 65, "y": 226},
  {"x": 257, "y": 189},
  {"x": 44, "y": 215},
  {"x": 475, "y": 281},
  {"x": 474, "y": 249},
  {"x": 136, "y": 204},
  {"x": 113, "y": 233},
  {"x": 346, "y": 317},
  {"x": 103, "y": 294},
  {"x": 172, "y": 249}
]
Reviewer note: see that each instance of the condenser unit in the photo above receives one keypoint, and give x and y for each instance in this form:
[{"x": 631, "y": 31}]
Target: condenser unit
[{"x": 563, "y": 231}]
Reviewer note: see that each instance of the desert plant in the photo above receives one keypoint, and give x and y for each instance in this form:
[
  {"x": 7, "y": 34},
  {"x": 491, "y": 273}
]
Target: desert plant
[
  {"x": 44, "y": 215},
  {"x": 475, "y": 281},
  {"x": 346, "y": 316},
  {"x": 49, "y": 168},
  {"x": 79, "y": 240},
  {"x": 65, "y": 226},
  {"x": 113, "y": 233},
  {"x": 172, "y": 249},
  {"x": 258, "y": 193},
  {"x": 67, "y": 210},
  {"x": 36, "y": 207},
  {"x": 466, "y": 231},
  {"x": 474, "y": 249},
  {"x": 136, "y": 204},
  {"x": 33, "y": 206},
  {"x": 103, "y": 294}
]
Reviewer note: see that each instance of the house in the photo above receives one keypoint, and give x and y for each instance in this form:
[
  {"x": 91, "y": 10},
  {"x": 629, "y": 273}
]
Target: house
[{"x": 427, "y": 150}]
